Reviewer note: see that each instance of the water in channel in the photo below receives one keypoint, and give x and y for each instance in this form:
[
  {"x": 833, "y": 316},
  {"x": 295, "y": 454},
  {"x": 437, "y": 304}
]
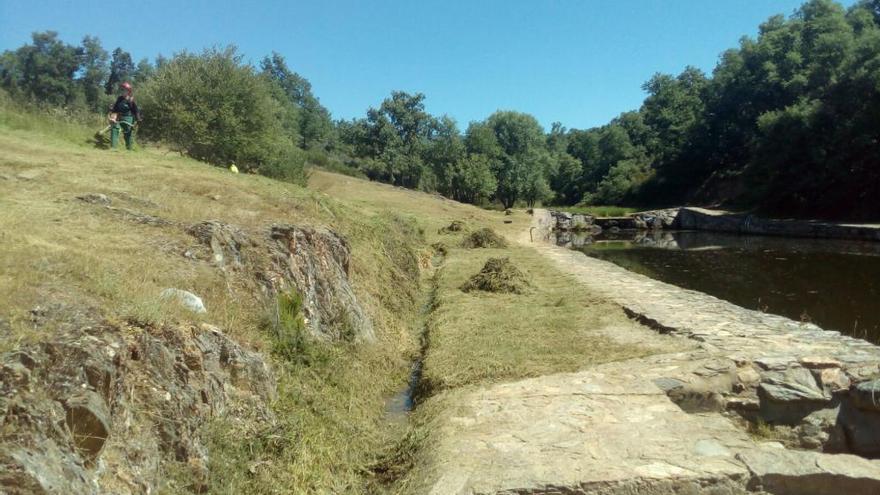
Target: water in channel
[{"x": 832, "y": 283}]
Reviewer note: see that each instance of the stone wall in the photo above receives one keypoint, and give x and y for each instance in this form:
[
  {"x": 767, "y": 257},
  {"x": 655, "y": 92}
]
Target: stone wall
[{"x": 720, "y": 221}]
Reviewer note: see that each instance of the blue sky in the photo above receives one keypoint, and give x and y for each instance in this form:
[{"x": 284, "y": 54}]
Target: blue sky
[{"x": 579, "y": 62}]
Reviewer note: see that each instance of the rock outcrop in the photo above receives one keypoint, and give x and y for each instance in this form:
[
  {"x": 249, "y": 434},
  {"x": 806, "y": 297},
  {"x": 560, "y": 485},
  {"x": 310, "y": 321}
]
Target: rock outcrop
[
  {"x": 313, "y": 261},
  {"x": 103, "y": 409},
  {"x": 316, "y": 262}
]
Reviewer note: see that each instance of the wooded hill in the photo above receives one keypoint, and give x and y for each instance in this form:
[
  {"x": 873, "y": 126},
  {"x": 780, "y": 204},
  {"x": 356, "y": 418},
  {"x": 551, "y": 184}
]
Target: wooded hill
[{"x": 786, "y": 124}]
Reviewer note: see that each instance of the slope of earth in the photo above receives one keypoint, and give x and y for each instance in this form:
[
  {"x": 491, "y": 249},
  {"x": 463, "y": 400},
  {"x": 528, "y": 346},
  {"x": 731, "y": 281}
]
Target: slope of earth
[{"x": 95, "y": 249}]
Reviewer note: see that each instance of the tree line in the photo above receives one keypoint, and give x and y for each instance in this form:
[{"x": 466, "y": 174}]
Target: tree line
[
  {"x": 787, "y": 123},
  {"x": 212, "y": 106}
]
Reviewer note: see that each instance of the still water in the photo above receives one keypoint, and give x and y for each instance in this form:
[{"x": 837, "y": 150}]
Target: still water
[{"x": 832, "y": 283}]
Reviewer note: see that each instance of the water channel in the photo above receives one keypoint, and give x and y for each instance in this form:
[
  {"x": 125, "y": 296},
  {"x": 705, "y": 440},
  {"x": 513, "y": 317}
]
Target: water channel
[{"x": 832, "y": 283}]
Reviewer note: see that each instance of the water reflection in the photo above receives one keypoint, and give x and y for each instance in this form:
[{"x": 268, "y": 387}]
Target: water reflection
[{"x": 833, "y": 283}]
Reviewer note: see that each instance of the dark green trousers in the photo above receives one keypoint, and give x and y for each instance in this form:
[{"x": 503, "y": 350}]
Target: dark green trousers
[{"x": 127, "y": 124}]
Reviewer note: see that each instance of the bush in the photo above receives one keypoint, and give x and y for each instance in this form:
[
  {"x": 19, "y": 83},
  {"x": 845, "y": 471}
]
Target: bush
[
  {"x": 289, "y": 335},
  {"x": 217, "y": 109}
]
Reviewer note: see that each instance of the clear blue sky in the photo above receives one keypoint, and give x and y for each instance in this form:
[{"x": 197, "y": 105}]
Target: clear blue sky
[{"x": 580, "y": 62}]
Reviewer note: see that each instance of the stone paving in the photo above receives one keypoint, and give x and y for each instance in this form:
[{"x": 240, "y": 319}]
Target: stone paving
[{"x": 673, "y": 422}]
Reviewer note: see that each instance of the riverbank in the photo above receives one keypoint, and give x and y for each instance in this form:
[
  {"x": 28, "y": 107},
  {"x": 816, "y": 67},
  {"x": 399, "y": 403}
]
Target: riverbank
[
  {"x": 703, "y": 219},
  {"x": 693, "y": 419}
]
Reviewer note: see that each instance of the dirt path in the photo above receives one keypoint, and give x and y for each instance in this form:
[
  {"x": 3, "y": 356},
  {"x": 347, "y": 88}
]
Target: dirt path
[{"x": 664, "y": 423}]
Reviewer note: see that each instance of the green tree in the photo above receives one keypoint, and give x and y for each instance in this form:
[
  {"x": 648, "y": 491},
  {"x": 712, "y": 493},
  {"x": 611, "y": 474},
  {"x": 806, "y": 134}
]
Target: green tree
[
  {"x": 94, "y": 71},
  {"x": 215, "y": 108},
  {"x": 398, "y": 135},
  {"x": 43, "y": 70},
  {"x": 121, "y": 69},
  {"x": 516, "y": 143},
  {"x": 314, "y": 126}
]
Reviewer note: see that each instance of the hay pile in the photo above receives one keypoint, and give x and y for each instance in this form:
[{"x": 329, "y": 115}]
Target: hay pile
[
  {"x": 455, "y": 226},
  {"x": 498, "y": 275},
  {"x": 483, "y": 238}
]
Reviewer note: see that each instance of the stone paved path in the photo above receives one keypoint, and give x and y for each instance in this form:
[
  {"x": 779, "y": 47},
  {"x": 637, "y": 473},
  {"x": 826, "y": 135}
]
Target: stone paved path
[{"x": 664, "y": 424}]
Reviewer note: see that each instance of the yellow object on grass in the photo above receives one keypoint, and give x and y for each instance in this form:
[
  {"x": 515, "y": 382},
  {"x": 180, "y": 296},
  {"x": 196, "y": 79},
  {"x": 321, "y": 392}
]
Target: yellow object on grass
[{"x": 233, "y": 169}]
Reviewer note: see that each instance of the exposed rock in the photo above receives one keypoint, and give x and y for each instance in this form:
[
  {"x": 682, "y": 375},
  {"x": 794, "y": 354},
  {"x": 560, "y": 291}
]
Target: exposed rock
[
  {"x": 187, "y": 299},
  {"x": 619, "y": 223},
  {"x": 88, "y": 422},
  {"x": 316, "y": 262},
  {"x": 98, "y": 412},
  {"x": 313, "y": 261},
  {"x": 788, "y": 472},
  {"x": 866, "y": 395},
  {"x": 817, "y": 362},
  {"x": 832, "y": 380},
  {"x": 657, "y": 219},
  {"x": 792, "y": 385},
  {"x": 581, "y": 222},
  {"x": 225, "y": 242}
]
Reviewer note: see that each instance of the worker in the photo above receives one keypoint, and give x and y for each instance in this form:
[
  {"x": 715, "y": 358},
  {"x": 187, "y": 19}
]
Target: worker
[{"x": 123, "y": 114}]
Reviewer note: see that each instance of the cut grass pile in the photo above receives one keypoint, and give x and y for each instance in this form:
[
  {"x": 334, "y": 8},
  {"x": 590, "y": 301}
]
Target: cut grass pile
[
  {"x": 455, "y": 226},
  {"x": 498, "y": 275},
  {"x": 483, "y": 238}
]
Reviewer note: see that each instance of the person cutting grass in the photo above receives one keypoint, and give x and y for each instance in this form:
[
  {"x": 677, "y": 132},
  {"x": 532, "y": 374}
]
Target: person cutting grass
[{"x": 123, "y": 114}]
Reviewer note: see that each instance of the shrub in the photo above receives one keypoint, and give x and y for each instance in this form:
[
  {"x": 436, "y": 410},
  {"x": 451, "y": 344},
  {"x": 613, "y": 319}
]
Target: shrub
[
  {"x": 217, "y": 109},
  {"x": 289, "y": 335}
]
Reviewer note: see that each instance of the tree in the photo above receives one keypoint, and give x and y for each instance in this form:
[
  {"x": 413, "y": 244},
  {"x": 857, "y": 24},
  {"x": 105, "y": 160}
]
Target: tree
[
  {"x": 43, "y": 70},
  {"x": 143, "y": 72},
  {"x": 565, "y": 179},
  {"x": 238, "y": 120},
  {"x": 398, "y": 134},
  {"x": 121, "y": 69},
  {"x": 94, "y": 70},
  {"x": 515, "y": 141},
  {"x": 314, "y": 126}
]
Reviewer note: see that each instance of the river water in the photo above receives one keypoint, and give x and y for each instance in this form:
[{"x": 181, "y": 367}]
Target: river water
[{"x": 832, "y": 283}]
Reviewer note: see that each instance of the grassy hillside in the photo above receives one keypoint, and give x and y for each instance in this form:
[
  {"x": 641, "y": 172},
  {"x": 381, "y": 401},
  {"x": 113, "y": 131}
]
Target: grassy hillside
[{"x": 66, "y": 262}]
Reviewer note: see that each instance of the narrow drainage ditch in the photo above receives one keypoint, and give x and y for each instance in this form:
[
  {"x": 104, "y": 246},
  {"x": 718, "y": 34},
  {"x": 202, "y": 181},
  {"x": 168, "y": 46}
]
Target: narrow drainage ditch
[{"x": 398, "y": 407}]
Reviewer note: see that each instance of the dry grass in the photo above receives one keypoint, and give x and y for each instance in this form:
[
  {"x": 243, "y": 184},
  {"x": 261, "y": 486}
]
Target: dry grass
[
  {"x": 65, "y": 263},
  {"x": 483, "y": 337},
  {"x": 483, "y": 238},
  {"x": 80, "y": 261},
  {"x": 498, "y": 275}
]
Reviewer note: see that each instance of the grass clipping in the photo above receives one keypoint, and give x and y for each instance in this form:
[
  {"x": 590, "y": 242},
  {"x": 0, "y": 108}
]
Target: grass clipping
[
  {"x": 498, "y": 275},
  {"x": 483, "y": 238},
  {"x": 455, "y": 226}
]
